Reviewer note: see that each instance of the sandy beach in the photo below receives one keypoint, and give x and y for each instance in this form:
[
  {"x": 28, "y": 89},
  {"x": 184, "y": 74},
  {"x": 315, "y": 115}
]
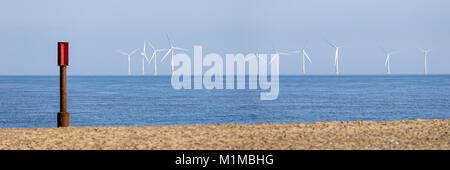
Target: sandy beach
[{"x": 404, "y": 134}]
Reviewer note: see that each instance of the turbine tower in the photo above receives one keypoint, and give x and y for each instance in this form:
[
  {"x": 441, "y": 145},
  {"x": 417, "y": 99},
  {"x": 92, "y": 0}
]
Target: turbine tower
[
  {"x": 144, "y": 56},
  {"x": 425, "y": 52},
  {"x": 129, "y": 58},
  {"x": 304, "y": 55},
  {"x": 170, "y": 51},
  {"x": 154, "y": 55},
  {"x": 336, "y": 57}
]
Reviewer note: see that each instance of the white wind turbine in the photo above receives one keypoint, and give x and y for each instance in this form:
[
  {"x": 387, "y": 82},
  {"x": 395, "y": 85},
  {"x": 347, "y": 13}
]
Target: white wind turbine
[
  {"x": 144, "y": 56},
  {"x": 129, "y": 58},
  {"x": 336, "y": 57},
  {"x": 425, "y": 52},
  {"x": 154, "y": 55},
  {"x": 277, "y": 54},
  {"x": 258, "y": 55},
  {"x": 304, "y": 55},
  {"x": 170, "y": 51},
  {"x": 387, "y": 63}
]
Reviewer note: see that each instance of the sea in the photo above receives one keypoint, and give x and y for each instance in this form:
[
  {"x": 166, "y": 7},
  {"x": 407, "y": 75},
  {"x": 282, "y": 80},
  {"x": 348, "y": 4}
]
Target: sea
[{"x": 33, "y": 101}]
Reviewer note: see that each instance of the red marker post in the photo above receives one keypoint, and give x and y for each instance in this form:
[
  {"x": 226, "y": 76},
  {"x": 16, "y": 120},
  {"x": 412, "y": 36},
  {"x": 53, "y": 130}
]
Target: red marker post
[{"x": 63, "y": 61}]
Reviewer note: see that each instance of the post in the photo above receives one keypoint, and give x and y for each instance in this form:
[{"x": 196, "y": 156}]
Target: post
[{"x": 63, "y": 61}]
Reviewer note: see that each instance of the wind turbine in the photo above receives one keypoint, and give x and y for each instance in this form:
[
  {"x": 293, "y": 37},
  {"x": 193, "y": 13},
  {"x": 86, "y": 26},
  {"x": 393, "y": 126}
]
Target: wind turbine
[
  {"x": 170, "y": 51},
  {"x": 154, "y": 55},
  {"x": 304, "y": 55},
  {"x": 258, "y": 55},
  {"x": 277, "y": 54},
  {"x": 425, "y": 52},
  {"x": 388, "y": 60},
  {"x": 144, "y": 56},
  {"x": 336, "y": 57},
  {"x": 129, "y": 58}
]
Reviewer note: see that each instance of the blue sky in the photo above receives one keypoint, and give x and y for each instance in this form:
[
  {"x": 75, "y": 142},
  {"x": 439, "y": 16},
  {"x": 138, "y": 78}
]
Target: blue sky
[{"x": 30, "y": 30}]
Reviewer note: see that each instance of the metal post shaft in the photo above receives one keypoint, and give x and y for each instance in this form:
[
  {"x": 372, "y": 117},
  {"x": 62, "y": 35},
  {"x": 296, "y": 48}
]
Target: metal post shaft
[{"x": 63, "y": 115}]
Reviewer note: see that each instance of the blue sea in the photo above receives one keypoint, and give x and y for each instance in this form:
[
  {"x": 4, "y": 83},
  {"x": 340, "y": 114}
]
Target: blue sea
[{"x": 33, "y": 101}]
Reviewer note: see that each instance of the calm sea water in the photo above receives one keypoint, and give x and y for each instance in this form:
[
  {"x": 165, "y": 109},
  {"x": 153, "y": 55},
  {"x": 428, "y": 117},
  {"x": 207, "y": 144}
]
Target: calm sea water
[{"x": 33, "y": 101}]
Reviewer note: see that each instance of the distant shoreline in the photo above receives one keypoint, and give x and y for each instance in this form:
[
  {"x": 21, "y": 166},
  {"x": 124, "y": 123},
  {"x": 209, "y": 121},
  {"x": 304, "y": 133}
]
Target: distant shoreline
[{"x": 402, "y": 134}]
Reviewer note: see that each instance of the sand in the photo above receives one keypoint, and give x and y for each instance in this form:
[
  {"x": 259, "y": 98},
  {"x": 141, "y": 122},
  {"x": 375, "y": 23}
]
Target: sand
[{"x": 404, "y": 134}]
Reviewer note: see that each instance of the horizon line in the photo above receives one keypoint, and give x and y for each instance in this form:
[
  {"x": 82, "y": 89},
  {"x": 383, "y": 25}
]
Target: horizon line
[{"x": 166, "y": 75}]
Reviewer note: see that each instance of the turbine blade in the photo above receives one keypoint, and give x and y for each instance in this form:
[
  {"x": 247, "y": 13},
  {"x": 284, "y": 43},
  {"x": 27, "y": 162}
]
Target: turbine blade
[
  {"x": 307, "y": 57},
  {"x": 178, "y": 48},
  {"x": 144, "y": 47},
  {"x": 394, "y": 52},
  {"x": 153, "y": 56},
  {"x": 121, "y": 52},
  {"x": 150, "y": 44},
  {"x": 168, "y": 39},
  {"x": 168, "y": 52},
  {"x": 159, "y": 50},
  {"x": 385, "y": 63},
  {"x": 133, "y": 52},
  {"x": 331, "y": 44},
  {"x": 425, "y": 50}
]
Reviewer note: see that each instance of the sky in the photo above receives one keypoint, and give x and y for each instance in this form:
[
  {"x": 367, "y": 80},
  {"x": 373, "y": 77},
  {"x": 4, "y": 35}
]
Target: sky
[{"x": 96, "y": 30}]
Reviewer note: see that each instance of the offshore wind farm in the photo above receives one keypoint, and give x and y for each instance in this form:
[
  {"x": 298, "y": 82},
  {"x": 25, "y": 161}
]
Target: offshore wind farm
[{"x": 276, "y": 53}]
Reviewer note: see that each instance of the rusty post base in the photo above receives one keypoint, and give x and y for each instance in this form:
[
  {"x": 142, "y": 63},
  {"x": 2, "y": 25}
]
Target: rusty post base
[{"x": 63, "y": 119}]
